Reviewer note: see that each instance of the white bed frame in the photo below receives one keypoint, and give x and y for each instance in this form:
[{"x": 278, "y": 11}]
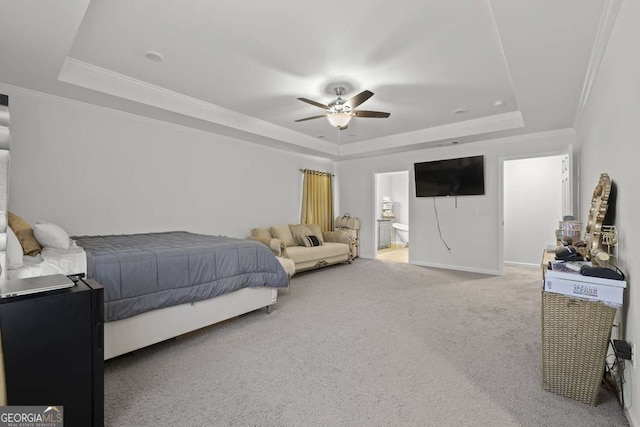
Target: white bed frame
[{"x": 133, "y": 333}]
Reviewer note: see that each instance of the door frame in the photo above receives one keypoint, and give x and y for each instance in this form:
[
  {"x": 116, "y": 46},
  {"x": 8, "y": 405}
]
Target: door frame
[
  {"x": 375, "y": 209},
  {"x": 574, "y": 177}
]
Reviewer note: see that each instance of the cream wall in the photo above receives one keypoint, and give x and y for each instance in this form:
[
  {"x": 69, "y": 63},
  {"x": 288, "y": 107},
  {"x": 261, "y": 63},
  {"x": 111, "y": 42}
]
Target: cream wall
[
  {"x": 474, "y": 238},
  {"x": 610, "y": 142},
  {"x": 99, "y": 171},
  {"x": 532, "y": 207}
]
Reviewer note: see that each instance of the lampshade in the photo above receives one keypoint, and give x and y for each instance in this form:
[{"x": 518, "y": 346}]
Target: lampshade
[{"x": 339, "y": 120}]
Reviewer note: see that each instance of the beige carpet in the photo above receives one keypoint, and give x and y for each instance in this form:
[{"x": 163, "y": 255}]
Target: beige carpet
[{"x": 368, "y": 344}]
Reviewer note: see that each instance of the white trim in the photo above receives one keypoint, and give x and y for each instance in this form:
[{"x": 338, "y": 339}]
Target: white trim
[
  {"x": 631, "y": 418},
  {"x": 521, "y": 264},
  {"x": 455, "y": 267},
  {"x": 126, "y": 335},
  {"x": 96, "y": 78},
  {"x": 605, "y": 28},
  {"x": 481, "y": 125},
  {"x": 100, "y": 79},
  {"x": 568, "y": 133},
  {"x": 11, "y": 89}
]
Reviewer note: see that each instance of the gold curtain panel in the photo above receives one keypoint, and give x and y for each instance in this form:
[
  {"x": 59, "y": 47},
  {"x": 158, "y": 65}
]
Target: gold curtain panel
[{"x": 317, "y": 199}]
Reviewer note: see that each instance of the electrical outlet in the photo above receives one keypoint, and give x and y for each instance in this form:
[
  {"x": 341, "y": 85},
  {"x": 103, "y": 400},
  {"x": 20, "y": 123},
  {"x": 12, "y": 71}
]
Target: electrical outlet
[{"x": 480, "y": 211}]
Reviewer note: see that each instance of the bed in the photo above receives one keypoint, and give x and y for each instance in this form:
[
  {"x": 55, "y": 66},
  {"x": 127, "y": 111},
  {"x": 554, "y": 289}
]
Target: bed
[{"x": 161, "y": 285}]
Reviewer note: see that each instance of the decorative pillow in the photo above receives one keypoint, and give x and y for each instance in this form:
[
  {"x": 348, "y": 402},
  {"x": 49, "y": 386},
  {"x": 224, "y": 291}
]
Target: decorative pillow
[
  {"x": 312, "y": 241},
  {"x": 283, "y": 233},
  {"x": 14, "y": 250},
  {"x": 262, "y": 233},
  {"x": 299, "y": 233},
  {"x": 315, "y": 230},
  {"x": 50, "y": 235},
  {"x": 24, "y": 233}
]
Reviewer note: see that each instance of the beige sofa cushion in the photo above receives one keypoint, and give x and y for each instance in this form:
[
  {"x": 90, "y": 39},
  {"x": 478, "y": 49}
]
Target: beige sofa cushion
[
  {"x": 303, "y": 254},
  {"x": 261, "y": 233},
  {"x": 283, "y": 233},
  {"x": 299, "y": 231}
]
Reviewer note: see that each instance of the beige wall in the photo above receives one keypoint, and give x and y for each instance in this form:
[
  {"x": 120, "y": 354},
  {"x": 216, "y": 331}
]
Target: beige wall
[{"x": 610, "y": 142}]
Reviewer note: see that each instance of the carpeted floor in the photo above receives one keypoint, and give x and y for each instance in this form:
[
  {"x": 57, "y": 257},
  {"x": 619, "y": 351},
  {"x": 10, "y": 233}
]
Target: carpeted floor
[{"x": 369, "y": 344}]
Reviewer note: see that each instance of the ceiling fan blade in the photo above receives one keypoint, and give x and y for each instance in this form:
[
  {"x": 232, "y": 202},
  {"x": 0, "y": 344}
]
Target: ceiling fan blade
[
  {"x": 310, "y": 118},
  {"x": 358, "y": 99},
  {"x": 373, "y": 114},
  {"x": 314, "y": 103}
]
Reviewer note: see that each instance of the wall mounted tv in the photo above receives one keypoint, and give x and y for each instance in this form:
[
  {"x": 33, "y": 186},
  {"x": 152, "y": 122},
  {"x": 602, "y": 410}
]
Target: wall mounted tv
[{"x": 451, "y": 177}]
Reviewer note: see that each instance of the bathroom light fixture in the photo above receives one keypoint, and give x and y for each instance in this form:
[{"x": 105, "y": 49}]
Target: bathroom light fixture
[{"x": 339, "y": 120}]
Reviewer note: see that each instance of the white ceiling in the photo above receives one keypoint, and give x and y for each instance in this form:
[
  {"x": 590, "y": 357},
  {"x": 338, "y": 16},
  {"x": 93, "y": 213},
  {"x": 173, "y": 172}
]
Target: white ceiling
[{"x": 237, "y": 70}]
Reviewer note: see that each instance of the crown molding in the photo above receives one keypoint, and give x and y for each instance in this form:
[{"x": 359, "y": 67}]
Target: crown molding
[
  {"x": 14, "y": 90},
  {"x": 605, "y": 28},
  {"x": 96, "y": 78},
  {"x": 498, "y": 122}
]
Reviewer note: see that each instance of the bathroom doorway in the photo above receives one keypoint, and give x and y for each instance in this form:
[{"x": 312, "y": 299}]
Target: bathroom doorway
[{"x": 392, "y": 216}]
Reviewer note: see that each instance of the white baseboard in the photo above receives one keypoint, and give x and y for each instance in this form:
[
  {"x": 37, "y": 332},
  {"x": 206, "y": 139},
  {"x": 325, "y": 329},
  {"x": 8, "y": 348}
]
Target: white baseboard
[
  {"x": 455, "y": 267},
  {"x": 518, "y": 264},
  {"x": 631, "y": 418}
]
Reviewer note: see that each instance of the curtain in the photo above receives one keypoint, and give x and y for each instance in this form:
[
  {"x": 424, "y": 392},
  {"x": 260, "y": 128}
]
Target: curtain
[{"x": 317, "y": 199}]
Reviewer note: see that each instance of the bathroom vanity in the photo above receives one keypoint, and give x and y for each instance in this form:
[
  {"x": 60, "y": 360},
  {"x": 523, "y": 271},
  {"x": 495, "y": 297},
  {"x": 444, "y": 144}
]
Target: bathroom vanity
[{"x": 384, "y": 233}]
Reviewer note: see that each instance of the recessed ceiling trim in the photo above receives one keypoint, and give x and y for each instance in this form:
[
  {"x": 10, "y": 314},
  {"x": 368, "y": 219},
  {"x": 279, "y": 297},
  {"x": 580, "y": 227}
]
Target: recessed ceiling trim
[
  {"x": 90, "y": 76},
  {"x": 482, "y": 125},
  {"x": 605, "y": 28}
]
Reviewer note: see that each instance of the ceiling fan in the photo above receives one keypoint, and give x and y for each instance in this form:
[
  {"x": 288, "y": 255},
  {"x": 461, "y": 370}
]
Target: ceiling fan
[{"x": 340, "y": 111}]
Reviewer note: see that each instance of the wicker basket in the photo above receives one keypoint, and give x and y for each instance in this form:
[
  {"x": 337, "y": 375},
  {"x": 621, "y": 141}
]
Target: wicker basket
[{"x": 575, "y": 339}]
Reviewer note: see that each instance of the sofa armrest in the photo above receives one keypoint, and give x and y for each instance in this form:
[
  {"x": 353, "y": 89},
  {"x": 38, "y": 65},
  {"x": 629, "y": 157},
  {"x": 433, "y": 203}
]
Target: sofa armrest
[
  {"x": 342, "y": 237},
  {"x": 276, "y": 245}
]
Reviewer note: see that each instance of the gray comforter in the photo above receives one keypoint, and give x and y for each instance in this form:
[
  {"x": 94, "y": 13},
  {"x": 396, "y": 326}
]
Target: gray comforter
[{"x": 142, "y": 272}]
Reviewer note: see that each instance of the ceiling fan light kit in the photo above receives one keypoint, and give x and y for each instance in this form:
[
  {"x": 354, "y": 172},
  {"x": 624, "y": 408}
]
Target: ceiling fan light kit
[
  {"x": 339, "y": 120},
  {"x": 340, "y": 111}
]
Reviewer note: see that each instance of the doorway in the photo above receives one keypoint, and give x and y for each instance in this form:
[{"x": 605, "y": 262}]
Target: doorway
[
  {"x": 392, "y": 216},
  {"x": 535, "y": 198}
]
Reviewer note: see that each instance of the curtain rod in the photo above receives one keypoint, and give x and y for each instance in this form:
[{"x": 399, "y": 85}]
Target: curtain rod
[{"x": 316, "y": 172}]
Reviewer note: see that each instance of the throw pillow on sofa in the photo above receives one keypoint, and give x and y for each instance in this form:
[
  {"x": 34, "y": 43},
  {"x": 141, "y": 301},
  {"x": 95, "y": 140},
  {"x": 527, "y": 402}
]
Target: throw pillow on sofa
[
  {"x": 311, "y": 241},
  {"x": 315, "y": 230},
  {"x": 283, "y": 233},
  {"x": 299, "y": 233}
]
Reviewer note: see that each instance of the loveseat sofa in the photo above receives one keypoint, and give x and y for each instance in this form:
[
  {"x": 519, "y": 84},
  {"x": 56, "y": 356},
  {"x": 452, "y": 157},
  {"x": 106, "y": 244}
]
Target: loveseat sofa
[{"x": 296, "y": 242}]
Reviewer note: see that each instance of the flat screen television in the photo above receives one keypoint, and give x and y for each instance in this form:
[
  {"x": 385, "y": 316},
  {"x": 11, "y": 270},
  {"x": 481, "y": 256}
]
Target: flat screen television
[{"x": 451, "y": 177}]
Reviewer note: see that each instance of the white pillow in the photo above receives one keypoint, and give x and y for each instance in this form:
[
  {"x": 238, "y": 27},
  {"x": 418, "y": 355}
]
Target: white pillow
[
  {"x": 14, "y": 250},
  {"x": 50, "y": 235}
]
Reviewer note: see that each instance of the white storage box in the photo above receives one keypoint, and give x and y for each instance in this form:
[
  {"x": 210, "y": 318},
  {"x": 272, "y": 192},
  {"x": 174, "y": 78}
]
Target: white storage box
[{"x": 592, "y": 288}]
